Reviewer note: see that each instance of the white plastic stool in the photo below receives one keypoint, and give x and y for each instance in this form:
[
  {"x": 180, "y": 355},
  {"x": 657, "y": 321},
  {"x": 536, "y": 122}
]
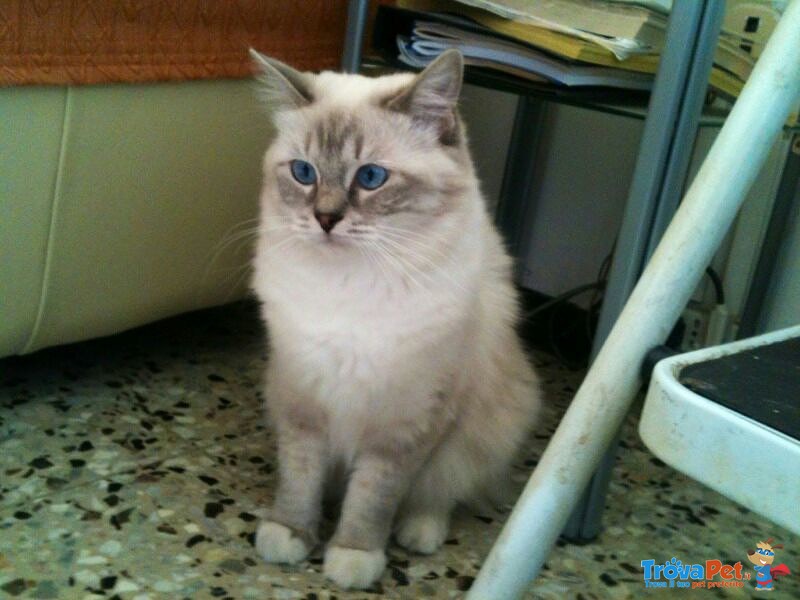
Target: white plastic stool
[{"x": 746, "y": 460}]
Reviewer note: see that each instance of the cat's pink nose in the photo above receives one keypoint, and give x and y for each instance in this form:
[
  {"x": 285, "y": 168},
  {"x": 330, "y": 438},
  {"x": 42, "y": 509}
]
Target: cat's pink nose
[{"x": 327, "y": 220}]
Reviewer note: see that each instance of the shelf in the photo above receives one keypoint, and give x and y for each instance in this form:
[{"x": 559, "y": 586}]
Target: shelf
[
  {"x": 626, "y": 103},
  {"x": 497, "y": 80}
]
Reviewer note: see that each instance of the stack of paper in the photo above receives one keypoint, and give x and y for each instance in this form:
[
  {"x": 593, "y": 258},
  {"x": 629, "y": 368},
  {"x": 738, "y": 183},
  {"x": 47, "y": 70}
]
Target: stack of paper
[
  {"x": 429, "y": 39},
  {"x": 622, "y": 29},
  {"x": 570, "y": 42}
]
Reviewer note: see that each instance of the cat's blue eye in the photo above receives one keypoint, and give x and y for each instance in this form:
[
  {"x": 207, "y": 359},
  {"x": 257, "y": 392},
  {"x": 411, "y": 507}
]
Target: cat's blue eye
[
  {"x": 371, "y": 176},
  {"x": 303, "y": 172}
]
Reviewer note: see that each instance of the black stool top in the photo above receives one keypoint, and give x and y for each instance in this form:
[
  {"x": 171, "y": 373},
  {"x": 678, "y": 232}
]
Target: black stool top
[{"x": 762, "y": 383}]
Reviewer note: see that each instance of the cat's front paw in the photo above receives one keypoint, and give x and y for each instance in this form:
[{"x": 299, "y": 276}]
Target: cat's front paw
[
  {"x": 422, "y": 533},
  {"x": 353, "y": 569},
  {"x": 277, "y": 543}
]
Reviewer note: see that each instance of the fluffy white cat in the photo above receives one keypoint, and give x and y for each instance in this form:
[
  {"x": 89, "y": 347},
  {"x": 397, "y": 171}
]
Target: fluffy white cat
[{"x": 395, "y": 369}]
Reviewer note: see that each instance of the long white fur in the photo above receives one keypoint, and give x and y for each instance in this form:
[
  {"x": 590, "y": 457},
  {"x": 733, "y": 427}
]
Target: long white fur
[{"x": 372, "y": 342}]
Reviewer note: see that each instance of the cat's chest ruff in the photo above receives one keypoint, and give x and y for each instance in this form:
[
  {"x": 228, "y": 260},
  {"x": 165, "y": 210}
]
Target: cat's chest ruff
[
  {"x": 361, "y": 349},
  {"x": 362, "y": 345},
  {"x": 362, "y": 312}
]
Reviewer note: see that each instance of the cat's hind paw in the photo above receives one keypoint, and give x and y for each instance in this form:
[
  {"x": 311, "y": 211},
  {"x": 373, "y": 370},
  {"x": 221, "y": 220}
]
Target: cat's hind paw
[
  {"x": 353, "y": 569},
  {"x": 277, "y": 543},
  {"x": 423, "y": 533}
]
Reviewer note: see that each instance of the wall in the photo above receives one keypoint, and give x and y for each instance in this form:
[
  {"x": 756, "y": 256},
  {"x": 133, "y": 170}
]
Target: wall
[
  {"x": 488, "y": 116},
  {"x": 577, "y": 202},
  {"x": 586, "y": 162}
]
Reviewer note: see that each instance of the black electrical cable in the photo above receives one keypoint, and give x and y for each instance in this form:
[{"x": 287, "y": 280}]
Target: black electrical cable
[
  {"x": 595, "y": 304},
  {"x": 561, "y": 298},
  {"x": 552, "y": 306},
  {"x": 552, "y": 339},
  {"x": 596, "y": 301},
  {"x": 716, "y": 281}
]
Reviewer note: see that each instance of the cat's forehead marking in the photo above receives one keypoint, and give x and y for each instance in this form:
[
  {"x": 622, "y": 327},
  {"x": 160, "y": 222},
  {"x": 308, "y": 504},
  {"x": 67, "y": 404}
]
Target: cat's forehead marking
[
  {"x": 347, "y": 120},
  {"x": 336, "y": 134},
  {"x": 359, "y": 146}
]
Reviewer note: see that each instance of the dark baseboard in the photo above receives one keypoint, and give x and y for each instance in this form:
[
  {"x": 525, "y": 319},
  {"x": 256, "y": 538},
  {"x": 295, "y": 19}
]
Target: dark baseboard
[
  {"x": 564, "y": 330},
  {"x": 567, "y": 331}
]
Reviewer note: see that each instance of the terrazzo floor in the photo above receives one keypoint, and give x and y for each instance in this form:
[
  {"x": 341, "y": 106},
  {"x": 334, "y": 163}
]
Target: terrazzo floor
[{"x": 137, "y": 466}]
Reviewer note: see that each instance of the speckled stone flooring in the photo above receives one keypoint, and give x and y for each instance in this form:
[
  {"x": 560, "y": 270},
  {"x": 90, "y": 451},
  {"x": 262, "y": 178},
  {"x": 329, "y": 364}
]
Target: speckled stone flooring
[{"x": 137, "y": 467}]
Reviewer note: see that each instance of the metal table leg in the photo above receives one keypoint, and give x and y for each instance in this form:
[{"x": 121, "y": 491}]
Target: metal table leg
[
  {"x": 661, "y": 168},
  {"x": 513, "y": 206},
  {"x": 354, "y": 36}
]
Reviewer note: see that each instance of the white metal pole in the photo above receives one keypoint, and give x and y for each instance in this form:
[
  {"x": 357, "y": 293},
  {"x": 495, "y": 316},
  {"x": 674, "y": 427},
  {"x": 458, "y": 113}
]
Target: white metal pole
[{"x": 665, "y": 287}]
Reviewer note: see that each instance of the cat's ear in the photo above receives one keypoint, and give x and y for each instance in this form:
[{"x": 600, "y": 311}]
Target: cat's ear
[
  {"x": 283, "y": 87},
  {"x": 433, "y": 95}
]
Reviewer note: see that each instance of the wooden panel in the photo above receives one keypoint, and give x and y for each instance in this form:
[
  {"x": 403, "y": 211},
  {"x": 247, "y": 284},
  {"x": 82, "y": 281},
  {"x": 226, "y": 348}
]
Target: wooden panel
[{"x": 102, "y": 41}]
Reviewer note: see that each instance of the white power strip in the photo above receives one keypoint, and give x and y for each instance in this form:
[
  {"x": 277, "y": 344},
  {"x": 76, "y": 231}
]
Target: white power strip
[
  {"x": 719, "y": 326},
  {"x": 696, "y": 321},
  {"x": 705, "y": 326}
]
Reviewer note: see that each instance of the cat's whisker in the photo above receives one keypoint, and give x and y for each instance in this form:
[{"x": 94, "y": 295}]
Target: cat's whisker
[
  {"x": 241, "y": 228},
  {"x": 385, "y": 227},
  {"x": 226, "y": 274},
  {"x": 252, "y": 234},
  {"x": 244, "y": 223},
  {"x": 252, "y": 231},
  {"x": 381, "y": 261},
  {"x": 434, "y": 266},
  {"x": 400, "y": 248},
  {"x": 237, "y": 239},
  {"x": 373, "y": 261},
  {"x": 386, "y": 266},
  {"x": 400, "y": 229},
  {"x": 420, "y": 244},
  {"x": 247, "y": 223},
  {"x": 272, "y": 228},
  {"x": 276, "y": 219},
  {"x": 288, "y": 241},
  {"x": 208, "y": 269},
  {"x": 410, "y": 233},
  {"x": 401, "y": 264},
  {"x": 410, "y": 265},
  {"x": 245, "y": 273},
  {"x": 223, "y": 244},
  {"x": 236, "y": 272}
]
